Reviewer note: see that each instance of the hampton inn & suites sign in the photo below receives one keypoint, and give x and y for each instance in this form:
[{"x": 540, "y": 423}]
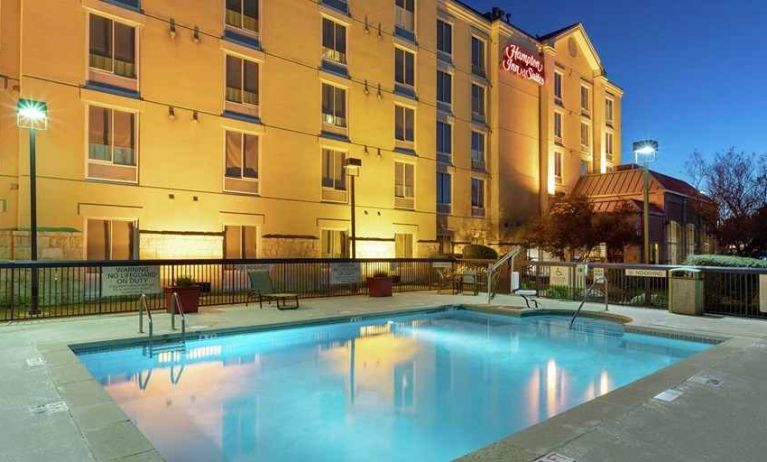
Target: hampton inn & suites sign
[{"x": 524, "y": 63}]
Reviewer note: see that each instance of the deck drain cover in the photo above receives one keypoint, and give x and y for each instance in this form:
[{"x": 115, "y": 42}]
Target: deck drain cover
[
  {"x": 669, "y": 395},
  {"x": 555, "y": 457},
  {"x": 704, "y": 379},
  {"x": 49, "y": 408},
  {"x": 36, "y": 361}
]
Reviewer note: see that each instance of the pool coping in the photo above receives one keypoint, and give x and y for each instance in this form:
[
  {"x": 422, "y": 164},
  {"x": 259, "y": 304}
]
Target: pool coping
[{"x": 102, "y": 422}]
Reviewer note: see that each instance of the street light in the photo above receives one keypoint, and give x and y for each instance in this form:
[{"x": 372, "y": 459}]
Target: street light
[
  {"x": 32, "y": 115},
  {"x": 352, "y": 167},
  {"x": 645, "y": 152}
]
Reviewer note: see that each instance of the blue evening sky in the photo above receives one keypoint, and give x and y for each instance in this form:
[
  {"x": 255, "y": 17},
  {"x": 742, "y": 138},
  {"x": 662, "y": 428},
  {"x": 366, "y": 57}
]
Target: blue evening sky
[{"x": 694, "y": 71}]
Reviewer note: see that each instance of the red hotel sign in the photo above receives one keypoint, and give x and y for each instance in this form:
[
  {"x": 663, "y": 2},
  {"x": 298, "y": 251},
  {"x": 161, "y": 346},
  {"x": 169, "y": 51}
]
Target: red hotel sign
[{"x": 524, "y": 64}]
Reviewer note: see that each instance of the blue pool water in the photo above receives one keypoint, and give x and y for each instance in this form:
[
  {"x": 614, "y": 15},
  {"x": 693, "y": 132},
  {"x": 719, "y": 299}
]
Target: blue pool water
[{"x": 430, "y": 386}]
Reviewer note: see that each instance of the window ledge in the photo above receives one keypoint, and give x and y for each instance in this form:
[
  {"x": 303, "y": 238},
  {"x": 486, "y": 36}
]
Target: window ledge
[
  {"x": 444, "y": 58},
  {"x": 337, "y": 5},
  {"x": 406, "y": 151},
  {"x": 241, "y": 117},
  {"x": 127, "y": 4},
  {"x": 334, "y": 68},
  {"x": 242, "y": 39},
  {"x": 447, "y": 108},
  {"x": 106, "y": 88},
  {"x": 334, "y": 136},
  {"x": 406, "y": 91}
]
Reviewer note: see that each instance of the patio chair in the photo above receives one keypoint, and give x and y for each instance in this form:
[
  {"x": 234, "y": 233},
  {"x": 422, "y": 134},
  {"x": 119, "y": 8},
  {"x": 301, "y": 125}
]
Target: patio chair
[
  {"x": 261, "y": 288},
  {"x": 470, "y": 280},
  {"x": 447, "y": 280}
]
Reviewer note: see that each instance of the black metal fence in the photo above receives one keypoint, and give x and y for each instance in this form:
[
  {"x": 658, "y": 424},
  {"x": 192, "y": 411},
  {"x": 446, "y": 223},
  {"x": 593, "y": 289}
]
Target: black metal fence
[{"x": 75, "y": 288}]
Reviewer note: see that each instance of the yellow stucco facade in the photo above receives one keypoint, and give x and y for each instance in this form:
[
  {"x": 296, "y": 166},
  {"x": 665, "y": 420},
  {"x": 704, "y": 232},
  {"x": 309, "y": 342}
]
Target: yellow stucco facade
[{"x": 218, "y": 128}]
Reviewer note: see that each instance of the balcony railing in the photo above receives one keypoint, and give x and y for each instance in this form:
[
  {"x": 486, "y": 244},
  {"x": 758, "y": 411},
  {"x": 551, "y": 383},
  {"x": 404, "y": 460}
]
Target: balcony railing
[
  {"x": 333, "y": 121},
  {"x": 334, "y": 55},
  {"x": 116, "y": 66}
]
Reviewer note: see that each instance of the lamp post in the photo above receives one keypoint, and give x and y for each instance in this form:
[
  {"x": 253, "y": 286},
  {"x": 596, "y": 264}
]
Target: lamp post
[
  {"x": 645, "y": 152},
  {"x": 352, "y": 167},
  {"x": 32, "y": 115}
]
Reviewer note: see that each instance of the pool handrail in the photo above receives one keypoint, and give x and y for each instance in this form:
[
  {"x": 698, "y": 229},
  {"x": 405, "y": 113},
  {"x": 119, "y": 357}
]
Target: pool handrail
[
  {"x": 142, "y": 307},
  {"x": 597, "y": 280},
  {"x": 176, "y": 305}
]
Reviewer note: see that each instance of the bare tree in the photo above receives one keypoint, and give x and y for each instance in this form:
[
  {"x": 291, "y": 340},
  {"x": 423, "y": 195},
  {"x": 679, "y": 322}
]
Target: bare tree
[{"x": 737, "y": 183}]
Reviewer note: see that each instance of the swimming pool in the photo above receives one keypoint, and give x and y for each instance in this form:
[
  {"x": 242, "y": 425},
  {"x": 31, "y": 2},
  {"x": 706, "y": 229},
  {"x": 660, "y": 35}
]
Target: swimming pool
[{"x": 427, "y": 386}]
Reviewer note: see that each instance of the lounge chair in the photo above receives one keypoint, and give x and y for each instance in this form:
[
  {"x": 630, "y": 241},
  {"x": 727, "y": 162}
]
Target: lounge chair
[
  {"x": 447, "y": 280},
  {"x": 468, "y": 279},
  {"x": 261, "y": 288}
]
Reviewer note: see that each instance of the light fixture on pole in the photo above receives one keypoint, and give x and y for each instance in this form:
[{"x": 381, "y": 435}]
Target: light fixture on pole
[
  {"x": 32, "y": 115},
  {"x": 352, "y": 167},
  {"x": 645, "y": 152}
]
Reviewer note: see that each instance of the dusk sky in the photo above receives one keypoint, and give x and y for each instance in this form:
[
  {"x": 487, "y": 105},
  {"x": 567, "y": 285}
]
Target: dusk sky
[{"x": 694, "y": 71}]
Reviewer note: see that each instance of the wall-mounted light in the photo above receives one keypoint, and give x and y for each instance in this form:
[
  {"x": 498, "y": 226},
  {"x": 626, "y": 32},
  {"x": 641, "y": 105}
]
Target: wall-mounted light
[
  {"x": 196, "y": 116},
  {"x": 367, "y": 90},
  {"x": 171, "y": 196},
  {"x": 171, "y": 113},
  {"x": 367, "y": 28},
  {"x": 172, "y": 28},
  {"x": 196, "y": 36},
  {"x": 367, "y": 153},
  {"x": 380, "y": 33},
  {"x": 379, "y": 152},
  {"x": 380, "y": 93}
]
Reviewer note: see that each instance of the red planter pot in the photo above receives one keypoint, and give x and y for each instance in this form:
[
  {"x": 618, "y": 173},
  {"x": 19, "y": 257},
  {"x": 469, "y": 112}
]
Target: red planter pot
[
  {"x": 379, "y": 286},
  {"x": 188, "y": 296}
]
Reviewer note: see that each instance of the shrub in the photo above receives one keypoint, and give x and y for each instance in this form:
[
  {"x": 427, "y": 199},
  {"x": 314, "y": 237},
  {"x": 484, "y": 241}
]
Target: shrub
[
  {"x": 184, "y": 281},
  {"x": 479, "y": 252},
  {"x": 725, "y": 260}
]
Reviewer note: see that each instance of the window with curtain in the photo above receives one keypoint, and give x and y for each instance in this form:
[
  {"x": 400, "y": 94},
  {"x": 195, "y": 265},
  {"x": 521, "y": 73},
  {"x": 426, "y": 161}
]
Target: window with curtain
[
  {"x": 444, "y": 37},
  {"x": 333, "y": 106},
  {"x": 241, "y": 81},
  {"x": 404, "y": 124},
  {"x": 241, "y": 155},
  {"x": 333, "y": 41},
  {"x": 243, "y": 14},
  {"x": 240, "y": 242},
  {"x": 112, "y": 46},
  {"x": 404, "y": 180},
  {"x": 333, "y": 175},
  {"x": 110, "y": 240},
  {"x": 404, "y": 67},
  {"x": 111, "y": 136}
]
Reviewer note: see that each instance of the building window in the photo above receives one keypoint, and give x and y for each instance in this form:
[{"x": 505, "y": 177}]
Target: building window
[
  {"x": 340, "y": 5},
  {"x": 609, "y": 146},
  {"x": 478, "y": 102},
  {"x": 558, "y": 127},
  {"x": 404, "y": 68},
  {"x": 241, "y": 162},
  {"x": 609, "y": 108},
  {"x": 444, "y": 88},
  {"x": 444, "y": 38},
  {"x": 444, "y": 142},
  {"x": 240, "y": 242},
  {"x": 241, "y": 85},
  {"x": 444, "y": 192},
  {"x": 477, "y": 151},
  {"x": 672, "y": 241},
  {"x": 334, "y": 243},
  {"x": 333, "y": 41},
  {"x": 445, "y": 239},
  {"x": 585, "y": 100},
  {"x": 112, "y": 53},
  {"x": 404, "y": 189},
  {"x": 333, "y": 175},
  {"x": 558, "y": 167},
  {"x": 405, "y": 15},
  {"x": 333, "y": 108},
  {"x": 585, "y": 135},
  {"x": 111, "y": 240},
  {"x": 477, "y": 197},
  {"x": 112, "y": 145},
  {"x": 585, "y": 167},
  {"x": 403, "y": 245},
  {"x": 404, "y": 124},
  {"x": 558, "y": 87},
  {"x": 477, "y": 56},
  {"x": 242, "y": 15}
]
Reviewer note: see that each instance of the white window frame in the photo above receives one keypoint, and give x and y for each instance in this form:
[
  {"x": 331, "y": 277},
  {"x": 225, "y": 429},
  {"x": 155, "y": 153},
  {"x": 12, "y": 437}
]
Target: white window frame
[
  {"x": 609, "y": 146},
  {"x": 586, "y": 110},
  {"x": 483, "y": 70},
  {"x": 241, "y": 239},
  {"x": 402, "y": 15},
  {"x": 475, "y": 115},
  {"x": 558, "y": 166},
  {"x": 256, "y": 181},
  {"x": 405, "y": 166},
  {"x": 136, "y": 136},
  {"x": 104, "y": 76},
  {"x": 585, "y": 141},
  {"x": 609, "y": 111},
  {"x": 405, "y": 52},
  {"x": 559, "y": 96},
  {"x": 452, "y": 37},
  {"x": 242, "y": 105},
  {"x": 449, "y": 203},
  {"x": 334, "y": 194},
  {"x": 332, "y": 125},
  {"x": 135, "y": 249},
  {"x": 405, "y": 142},
  {"x": 331, "y": 54},
  {"x": 450, "y": 95},
  {"x": 240, "y": 29},
  {"x": 448, "y": 154},
  {"x": 481, "y": 164},
  {"x": 478, "y": 210},
  {"x": 559, "y": 128},
  {"x": 348, "y": 244}
]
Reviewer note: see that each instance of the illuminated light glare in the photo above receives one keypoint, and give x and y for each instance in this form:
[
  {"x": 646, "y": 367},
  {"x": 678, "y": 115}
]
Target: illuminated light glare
[
  {"x": 33, "y": 113},
  {"x": 646, "y": 150}
]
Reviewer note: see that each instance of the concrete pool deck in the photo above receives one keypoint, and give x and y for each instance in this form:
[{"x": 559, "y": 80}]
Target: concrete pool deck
[{"x": 51, "y": 408}]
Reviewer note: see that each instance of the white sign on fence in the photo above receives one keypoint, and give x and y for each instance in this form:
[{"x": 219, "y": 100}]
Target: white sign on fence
[
  {"x": 129, "y": 280},
  {"x": 646, "y": 273},
  {"x": 599, "y": 273},
  {"x": 559, "y": 276},
  {"x": 763, "y": 293},
  {"x": 345, "y": 273},
  {"x": 441, "y": 264}
]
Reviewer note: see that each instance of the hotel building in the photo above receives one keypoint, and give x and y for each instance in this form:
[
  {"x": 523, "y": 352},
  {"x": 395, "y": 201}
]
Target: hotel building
[{"x": 221, "y": 128}]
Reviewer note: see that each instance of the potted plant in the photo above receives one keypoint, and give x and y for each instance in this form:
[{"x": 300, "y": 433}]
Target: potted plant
[
  {"x": 380, "y": 284},
  {"x": 188, "y": 294}
]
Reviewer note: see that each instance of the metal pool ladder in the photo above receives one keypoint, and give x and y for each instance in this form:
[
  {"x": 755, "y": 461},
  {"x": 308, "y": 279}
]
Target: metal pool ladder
[
  {"x": 176, "y": 305},
  {"x": 597, "y": 280},
  {"x": 142, "y": 307}
]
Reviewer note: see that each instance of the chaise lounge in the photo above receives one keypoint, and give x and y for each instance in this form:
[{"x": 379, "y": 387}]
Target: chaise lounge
[{"x": 261, "y": 288}]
